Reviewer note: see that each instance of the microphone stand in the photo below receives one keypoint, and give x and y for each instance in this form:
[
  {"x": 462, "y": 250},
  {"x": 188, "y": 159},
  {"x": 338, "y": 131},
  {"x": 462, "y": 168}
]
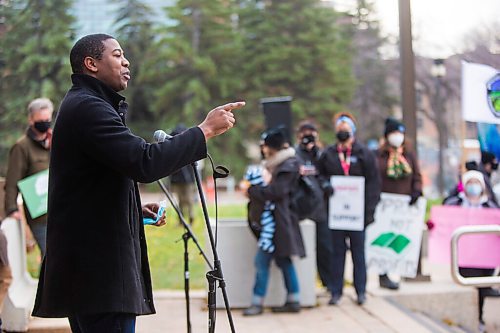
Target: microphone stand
[
  {"x": 188, "y": 234},
  {"x": 215, "y": 274}
]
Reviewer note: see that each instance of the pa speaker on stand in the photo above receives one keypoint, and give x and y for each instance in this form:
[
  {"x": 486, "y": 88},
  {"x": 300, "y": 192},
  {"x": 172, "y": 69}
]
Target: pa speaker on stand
[{"x": 278, "y": 112}]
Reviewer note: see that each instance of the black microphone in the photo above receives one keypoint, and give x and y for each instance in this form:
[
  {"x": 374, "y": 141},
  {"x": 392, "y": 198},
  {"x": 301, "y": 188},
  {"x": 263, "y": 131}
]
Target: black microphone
[{"x": 161, "y": 136}]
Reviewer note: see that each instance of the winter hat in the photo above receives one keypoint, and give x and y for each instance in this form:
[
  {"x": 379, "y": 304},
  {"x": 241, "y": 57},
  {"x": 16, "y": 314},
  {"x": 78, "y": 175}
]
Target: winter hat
[
  {"x": 473, "y": 174},
  {"x": 307, "y": 126},
  {"x": 274, "y": 138},
  {"x": 487, "y": 157},
  {"x": 345, "y": 117},
  {"x": 392, "y": 125}
]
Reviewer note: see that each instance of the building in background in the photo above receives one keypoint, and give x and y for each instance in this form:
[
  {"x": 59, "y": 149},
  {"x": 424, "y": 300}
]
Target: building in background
[{"x": 97, "y": 16}]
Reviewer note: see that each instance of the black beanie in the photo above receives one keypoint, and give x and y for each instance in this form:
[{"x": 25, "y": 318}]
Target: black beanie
[
  {"x": 392, "y": 125},
  {"x": 274, "y": 138},
  {"x": 307, "y": 126},
  {"x": 487, "y": 157}
]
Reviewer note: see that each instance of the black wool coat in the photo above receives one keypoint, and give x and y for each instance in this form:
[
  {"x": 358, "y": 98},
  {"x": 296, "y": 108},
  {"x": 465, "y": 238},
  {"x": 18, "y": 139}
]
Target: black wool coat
[
  {"x": 363, "y": 163},
  {"x": 287, "y": 237},
  {"x": 96, "y": 260}
]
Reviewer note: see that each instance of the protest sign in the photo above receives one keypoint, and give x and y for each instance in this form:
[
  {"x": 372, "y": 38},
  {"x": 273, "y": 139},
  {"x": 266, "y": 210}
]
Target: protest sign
[
  {"x": 35, "y": 190},
  {"x": 393, "y": 240},
  {"x": 477, "y": 250},
  {"x": 347, "y": 204}
]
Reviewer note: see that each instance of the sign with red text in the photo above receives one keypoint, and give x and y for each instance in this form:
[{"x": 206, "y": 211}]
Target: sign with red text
[{"x": 347, "y": 204}]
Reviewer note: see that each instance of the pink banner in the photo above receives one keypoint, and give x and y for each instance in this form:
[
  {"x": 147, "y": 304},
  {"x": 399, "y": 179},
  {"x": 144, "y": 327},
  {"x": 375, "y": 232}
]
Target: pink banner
[{"x": 476, "y": 250}]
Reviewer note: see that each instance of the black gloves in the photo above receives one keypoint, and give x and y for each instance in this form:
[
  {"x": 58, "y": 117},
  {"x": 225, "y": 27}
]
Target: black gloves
[
  {"x": 327, "y": 189},
  {"x": 414, "y": 197}
]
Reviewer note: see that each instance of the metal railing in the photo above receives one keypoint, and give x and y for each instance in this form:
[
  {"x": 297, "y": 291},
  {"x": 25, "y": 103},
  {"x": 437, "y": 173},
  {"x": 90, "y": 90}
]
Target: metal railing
[{"x": 484, "y": 281}]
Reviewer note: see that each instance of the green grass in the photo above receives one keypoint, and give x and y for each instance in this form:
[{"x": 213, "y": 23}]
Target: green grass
[{"x": 166, "y": 250}]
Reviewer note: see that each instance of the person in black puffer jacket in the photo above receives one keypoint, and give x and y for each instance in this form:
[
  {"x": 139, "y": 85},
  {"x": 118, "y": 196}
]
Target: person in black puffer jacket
[{"x": 308, "y": 152}]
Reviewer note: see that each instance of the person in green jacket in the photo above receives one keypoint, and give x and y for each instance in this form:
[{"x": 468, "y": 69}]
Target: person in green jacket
[{"x": 30, "y": 155}]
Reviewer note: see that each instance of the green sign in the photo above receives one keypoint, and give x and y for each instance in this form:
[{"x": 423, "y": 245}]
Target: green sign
[
  {"x": 35, "y": 190},
  {"x": 390, "y": 240}
]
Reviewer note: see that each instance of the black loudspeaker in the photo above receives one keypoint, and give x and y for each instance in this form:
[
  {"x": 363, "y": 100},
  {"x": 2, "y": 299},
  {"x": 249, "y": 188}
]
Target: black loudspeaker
[{"x": 277, "y": 111}]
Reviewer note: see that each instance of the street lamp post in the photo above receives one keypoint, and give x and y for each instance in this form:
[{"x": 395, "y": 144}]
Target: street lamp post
[
  {"x": 438, "y": 71},
  {"x": 407, "y": 71},
  {"x": 409, "y": 101}
]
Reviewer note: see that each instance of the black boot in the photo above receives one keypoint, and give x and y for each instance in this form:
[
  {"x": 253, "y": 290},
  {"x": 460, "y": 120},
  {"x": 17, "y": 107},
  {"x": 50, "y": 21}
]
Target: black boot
[
  {"x": 335, "y": 299},
  {"x": 287, "y": 307},
  {"x": 385, "y": 282},
  {"x": 361, "y": 299},
  {"x": 491, "y": 292}
]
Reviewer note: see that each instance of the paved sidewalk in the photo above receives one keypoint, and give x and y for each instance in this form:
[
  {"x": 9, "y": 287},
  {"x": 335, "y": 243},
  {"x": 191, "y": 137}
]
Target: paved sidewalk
[{"x": 377, "y": 315}]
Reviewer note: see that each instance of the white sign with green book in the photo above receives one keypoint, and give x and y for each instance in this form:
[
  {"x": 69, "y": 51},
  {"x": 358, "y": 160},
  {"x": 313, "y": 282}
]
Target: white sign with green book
[
  {"x": 393, "y": 240},
  {"x": 35, "y": 192}
]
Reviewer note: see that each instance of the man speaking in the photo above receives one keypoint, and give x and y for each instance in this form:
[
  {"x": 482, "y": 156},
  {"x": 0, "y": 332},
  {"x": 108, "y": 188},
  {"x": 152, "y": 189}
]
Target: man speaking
[{"x": 96, "y": 269}]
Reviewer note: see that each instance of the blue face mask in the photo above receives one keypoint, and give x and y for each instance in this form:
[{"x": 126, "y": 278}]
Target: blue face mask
[{"x": 473, "y": 190}]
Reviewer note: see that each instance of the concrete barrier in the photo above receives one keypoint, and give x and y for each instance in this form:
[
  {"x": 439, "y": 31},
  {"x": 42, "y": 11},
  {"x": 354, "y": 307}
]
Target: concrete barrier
[
  {"x": 237, "y": 246},
  {"x": 21, "y": 295}
]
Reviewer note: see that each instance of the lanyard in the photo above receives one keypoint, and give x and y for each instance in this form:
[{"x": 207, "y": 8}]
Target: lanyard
[{"x": 345, "y": 159}]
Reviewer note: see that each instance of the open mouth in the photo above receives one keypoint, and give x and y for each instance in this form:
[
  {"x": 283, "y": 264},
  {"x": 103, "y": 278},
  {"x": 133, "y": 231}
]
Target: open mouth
[{"x": 126, "y": 76}]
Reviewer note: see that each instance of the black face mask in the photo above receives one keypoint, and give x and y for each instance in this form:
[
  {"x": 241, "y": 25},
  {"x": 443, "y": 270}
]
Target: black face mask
[
  {"x": 307, "y": 139},
  {"x": 42, "y": 126},
  {"x": 343, "y": 136}
]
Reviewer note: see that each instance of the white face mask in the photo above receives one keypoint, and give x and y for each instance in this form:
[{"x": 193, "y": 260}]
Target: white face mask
[{"x": 396, "y": 139}]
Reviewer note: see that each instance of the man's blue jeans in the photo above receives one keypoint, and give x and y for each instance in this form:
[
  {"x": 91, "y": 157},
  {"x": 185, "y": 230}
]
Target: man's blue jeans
[
  {"x": 103, "y": 323},
  {"x": 262, "y": 263}
]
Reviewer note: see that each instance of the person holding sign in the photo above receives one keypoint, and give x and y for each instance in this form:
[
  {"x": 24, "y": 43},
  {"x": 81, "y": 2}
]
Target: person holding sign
[
  {"x": 475, "y": 195},
  {"x": 353, "y": 166},
  {"x": 399, "y": 172},
  {"x": 29, "y": 156}
]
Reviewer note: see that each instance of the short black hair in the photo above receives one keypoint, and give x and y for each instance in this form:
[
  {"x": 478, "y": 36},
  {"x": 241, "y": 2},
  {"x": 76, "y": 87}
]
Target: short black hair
[{"x": 87, "y": 46}]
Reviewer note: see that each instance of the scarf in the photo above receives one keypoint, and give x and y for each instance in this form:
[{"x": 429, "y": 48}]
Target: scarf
[
  {"x": 281, "y": 156},
  {"x": 397, "y": 165},
  {"x": 267, "y": 222}
]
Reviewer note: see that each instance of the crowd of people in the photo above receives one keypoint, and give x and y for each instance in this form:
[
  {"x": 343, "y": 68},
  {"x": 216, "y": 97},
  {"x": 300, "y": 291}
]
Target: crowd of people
[{"x": 392, "y": 168}]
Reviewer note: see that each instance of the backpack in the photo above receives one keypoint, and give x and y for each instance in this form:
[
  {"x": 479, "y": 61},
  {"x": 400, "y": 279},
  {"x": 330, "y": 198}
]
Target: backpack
[{"x": 305, "y": 197}]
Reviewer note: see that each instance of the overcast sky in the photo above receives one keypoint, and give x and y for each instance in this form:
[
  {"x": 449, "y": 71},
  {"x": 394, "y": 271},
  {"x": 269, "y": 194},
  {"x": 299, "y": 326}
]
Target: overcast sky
[{"x": 439, "y": 26}]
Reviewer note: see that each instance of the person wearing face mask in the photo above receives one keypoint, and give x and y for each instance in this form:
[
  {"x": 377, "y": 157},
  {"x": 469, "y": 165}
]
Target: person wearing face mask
[
  {"x": 475, "y": 196},
  {"x": 399, "y": 171},
  {"x": 308, "y": 151},
  {"x": 348, "y": 157},
  {"x": 30, "y": 155}
]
